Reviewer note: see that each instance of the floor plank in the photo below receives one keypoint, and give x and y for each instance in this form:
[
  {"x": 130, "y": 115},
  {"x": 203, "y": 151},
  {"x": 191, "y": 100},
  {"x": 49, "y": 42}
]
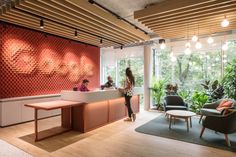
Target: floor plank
[{"x": 118, "y": 139}]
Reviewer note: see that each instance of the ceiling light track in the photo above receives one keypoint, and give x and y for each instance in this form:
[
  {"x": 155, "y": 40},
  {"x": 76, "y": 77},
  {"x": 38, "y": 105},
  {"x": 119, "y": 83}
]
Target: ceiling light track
[
  {"x": 48, "y": 19},
  {"x": 117, "y": 16}
]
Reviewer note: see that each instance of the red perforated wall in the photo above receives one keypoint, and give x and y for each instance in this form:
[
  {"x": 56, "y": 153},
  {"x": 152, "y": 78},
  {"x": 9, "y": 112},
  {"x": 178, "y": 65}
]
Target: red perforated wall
[{"x": 33, "y": 63}]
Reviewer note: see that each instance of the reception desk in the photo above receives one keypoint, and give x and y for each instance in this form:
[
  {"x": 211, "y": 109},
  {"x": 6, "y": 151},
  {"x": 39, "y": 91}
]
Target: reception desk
[{"x": 99, "y": 108}]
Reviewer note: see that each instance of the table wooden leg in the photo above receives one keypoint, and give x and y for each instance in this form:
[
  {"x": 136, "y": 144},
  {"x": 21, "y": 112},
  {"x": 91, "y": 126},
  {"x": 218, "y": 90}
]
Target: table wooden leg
[
  {"x": 36, "y": 124},
  {"x": 174, "y": 120},
  {"x": 187, "y": 124},
  {"x": 190, "y": 122},
  {"x": 170, "y": 122}
]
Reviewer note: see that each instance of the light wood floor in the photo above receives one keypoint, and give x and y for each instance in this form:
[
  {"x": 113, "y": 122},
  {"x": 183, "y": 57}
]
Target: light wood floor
[{"x": 118, "y": 139}]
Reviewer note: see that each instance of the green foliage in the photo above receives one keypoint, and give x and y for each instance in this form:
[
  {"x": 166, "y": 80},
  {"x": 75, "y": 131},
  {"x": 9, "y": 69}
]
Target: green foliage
[
  {"x": 185, "y": 95},
  {"x": 229, "y": 80},
  {"x": 198, "y": 100},
  {"x": 214, "y": 90},
  {"x": 157, "y": 91}
]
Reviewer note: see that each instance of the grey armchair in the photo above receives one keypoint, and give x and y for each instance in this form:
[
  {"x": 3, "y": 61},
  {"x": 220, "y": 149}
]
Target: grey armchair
[
  {"x": 174, "y": 102},
  {"x": 210, "y": 109},
  {"x": 223, "y": 124}
]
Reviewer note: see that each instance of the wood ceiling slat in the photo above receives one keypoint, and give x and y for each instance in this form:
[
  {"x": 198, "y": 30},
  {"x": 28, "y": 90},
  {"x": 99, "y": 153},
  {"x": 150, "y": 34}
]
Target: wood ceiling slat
[
  {"x": 191, "y": 33},
  {"x": 50, "y": 30},
  {"x": 204, "y": 13},
  {"x": 107, "y": 17},
  {"x": 168, "y": 6},
  {"x": 64, "y": 13},
  {"x": 91, "y": 21},
  {"x": 194, "y": 21},
  {"x": 210, "y": 26},
  {"x": 87, "y": 17},
  {"x": 52, "y": 15},
  {"x": 173, "y": 21},
  {"x": 187, "y": 11}
]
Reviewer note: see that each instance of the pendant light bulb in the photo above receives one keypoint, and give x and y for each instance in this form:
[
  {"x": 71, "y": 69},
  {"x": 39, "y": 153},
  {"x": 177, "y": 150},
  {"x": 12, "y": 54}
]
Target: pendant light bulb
[
  {"x": 198, "y": 45},
  {"x": 188, "y": 45},
  {"x": 194, "y": 38},
  {"x": 210, "y": 40},
  {"x": 173, "y": 59},
  {"x": 187, "y": 51},
  {"x": 225, "y": 23}
]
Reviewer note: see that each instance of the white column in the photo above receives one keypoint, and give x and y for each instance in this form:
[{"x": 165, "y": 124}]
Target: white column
[{"x": 147, "y": 75}]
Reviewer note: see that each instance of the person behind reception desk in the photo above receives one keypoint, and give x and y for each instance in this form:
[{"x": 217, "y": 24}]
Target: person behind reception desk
[
  {"x": 84, "y": 86},
  {"x": 109, "y": 83},
  {"x": 128, "y": 93}
]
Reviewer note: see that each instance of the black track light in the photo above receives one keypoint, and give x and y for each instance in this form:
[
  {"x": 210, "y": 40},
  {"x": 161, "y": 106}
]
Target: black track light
[
  {"x": 41, "y": 24},
  {"x": 101, "y": 41},
  {"x": 91, "y": 1},
  {"x": 121, "y": 47},
  {"x": 76, "y": 33},
  {"x": 162, "y": 41}
]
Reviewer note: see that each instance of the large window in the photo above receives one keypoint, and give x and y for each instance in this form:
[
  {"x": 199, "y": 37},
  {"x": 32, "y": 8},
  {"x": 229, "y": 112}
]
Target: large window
[{"x": 189, "y": 71}]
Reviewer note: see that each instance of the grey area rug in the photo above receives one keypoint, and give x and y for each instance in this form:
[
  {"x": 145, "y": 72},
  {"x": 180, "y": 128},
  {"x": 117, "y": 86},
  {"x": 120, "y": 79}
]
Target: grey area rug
[
  {"x": 160, "y": 127},
  {"x": 8, "y": 150}
]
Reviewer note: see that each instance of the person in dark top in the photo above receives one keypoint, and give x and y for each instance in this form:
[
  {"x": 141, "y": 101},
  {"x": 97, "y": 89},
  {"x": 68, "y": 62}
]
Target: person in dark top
[
  {"x": 109, "y": 83},
  {"x": 83, "y": 87}
]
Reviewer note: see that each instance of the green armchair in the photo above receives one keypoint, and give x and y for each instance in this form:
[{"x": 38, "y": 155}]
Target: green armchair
[
  {"x": 209, "y": 109},
  {"x": 224, "y": 124}
]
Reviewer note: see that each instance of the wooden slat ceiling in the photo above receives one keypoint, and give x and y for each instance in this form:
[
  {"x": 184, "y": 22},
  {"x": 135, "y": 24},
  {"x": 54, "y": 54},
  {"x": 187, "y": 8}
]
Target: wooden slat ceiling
[
  {"x": 181, "y": 18},
  {"x": 62, "y": 16}
]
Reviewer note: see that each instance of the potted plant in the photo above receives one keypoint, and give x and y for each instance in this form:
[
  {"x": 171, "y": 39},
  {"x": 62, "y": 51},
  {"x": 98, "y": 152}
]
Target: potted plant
[
  {"x": 214, "y": 90},
  {"x": 171, "y": 89},
  {"x": 198, "y": 100},
  {"x": 157, "y": 91},
  {"x": 229, "y": 80}
]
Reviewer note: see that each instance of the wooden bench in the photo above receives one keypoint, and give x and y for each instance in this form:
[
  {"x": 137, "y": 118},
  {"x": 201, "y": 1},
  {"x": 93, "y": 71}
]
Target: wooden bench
[{"x": 66, "y": 114}]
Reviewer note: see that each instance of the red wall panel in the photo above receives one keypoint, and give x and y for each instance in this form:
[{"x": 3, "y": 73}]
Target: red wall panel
[{"x": 33, "y": 63}]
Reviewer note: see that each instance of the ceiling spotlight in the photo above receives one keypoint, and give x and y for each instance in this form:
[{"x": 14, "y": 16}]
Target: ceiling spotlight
[
  {"x": 210, "y": 40},
  {"x": 225, "y": 23},
  {"x": 194, "y": 38},
  {"x": 198, "y": 45},
  {"x": 76, "y": 33},
  {"x": 41, "y": 24},
  {"x": 187, "y": 51},
  {"x": 162, "y": 42},
  {"x": 101, "y": 41},
  {"x": 188, "y": 45},
  {"x": 121, "y": 47},
  {"x": 225, "y": 47},
  {"x": 163, "y": 46}
]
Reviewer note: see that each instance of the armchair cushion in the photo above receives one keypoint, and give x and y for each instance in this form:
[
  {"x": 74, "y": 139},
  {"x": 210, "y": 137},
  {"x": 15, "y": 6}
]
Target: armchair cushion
[
  {"x": 224, "y": 105},
  {"x": 208, "y": 112}
]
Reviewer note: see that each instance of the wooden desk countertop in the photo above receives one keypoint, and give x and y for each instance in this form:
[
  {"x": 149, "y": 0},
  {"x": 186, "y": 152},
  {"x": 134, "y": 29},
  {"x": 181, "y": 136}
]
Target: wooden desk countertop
[{"x": 51, "y": 105}]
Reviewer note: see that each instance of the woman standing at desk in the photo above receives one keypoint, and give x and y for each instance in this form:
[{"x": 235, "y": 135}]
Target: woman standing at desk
[{"x": 128, "y": 92}]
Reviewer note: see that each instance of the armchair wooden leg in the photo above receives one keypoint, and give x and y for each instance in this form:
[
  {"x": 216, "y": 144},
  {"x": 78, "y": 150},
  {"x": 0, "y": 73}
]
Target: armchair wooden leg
[
  {"x": 227, "y": 140},
  {"x": 200, "y": 119},
  {"x": 203, "y": 129}
]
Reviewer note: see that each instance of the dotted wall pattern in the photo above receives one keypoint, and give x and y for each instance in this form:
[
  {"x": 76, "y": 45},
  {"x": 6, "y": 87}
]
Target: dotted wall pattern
[{"x": 33, "y": 63}]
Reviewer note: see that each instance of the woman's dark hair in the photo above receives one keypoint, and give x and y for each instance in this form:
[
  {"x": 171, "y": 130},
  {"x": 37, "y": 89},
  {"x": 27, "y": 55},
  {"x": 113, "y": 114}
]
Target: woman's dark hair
[
  {"x": 130, "y": 75},
  {"x": 85, "y": 81}
]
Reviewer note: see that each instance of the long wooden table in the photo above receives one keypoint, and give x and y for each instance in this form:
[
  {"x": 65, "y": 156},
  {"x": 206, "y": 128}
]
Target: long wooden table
[{"x": 66, "y": 114}]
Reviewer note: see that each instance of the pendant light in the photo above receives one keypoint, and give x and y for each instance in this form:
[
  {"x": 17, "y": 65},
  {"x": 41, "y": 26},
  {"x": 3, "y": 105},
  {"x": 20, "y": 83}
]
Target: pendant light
[
  {"x": 198, "y": 45},
  {"x": 187, "y": 51},
  {"x": 210, "y": 40},
  {"x": 225, "y": 22},
  {"x": 194, "y": 38}
]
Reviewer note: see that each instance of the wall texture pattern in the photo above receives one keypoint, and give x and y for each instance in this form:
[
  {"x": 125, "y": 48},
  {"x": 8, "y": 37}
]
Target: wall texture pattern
[{"x": 33, "y": 63}]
